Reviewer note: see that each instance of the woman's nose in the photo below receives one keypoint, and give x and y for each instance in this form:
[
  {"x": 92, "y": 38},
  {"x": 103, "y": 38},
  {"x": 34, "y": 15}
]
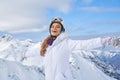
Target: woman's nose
[{"x": 54, "y": 28}]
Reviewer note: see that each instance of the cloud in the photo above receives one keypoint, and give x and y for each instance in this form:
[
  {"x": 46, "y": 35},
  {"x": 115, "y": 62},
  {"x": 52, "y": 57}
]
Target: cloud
[
  {"x": 99, "y": 9},
  {"x": 28, "y": 15},
  {"x": 117, "y": 22},
  {"x": 84, "y": 27},
  {"x": 29, "y": 30}
]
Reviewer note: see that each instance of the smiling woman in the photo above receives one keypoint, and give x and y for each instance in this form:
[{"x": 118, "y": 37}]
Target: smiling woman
[
  {"x": 56, "y": 27},
  {"x": 56, "y": 50}
]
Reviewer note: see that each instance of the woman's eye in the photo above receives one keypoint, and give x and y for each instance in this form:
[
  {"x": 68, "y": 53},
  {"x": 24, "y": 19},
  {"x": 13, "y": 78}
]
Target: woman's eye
[
  {"x": 58, "y": 26},
  {"x": 52, "y": 26}
]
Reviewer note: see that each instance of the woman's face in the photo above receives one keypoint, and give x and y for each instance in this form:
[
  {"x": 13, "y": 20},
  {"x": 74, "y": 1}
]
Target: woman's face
[{"x": 55, "y": 29}]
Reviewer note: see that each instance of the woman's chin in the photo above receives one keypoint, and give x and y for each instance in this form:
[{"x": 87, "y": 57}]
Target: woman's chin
[{"x": 54, "y": 34}]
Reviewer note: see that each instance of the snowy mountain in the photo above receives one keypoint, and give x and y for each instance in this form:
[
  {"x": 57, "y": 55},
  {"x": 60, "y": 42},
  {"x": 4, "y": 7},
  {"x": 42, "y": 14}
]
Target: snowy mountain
[
  {"x": 20, "y": 60},
  {"x": 13, "y": 49}
]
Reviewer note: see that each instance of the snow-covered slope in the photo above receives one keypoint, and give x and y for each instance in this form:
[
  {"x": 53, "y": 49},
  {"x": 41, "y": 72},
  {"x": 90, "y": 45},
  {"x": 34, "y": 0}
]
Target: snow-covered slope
[
  {"x": 97, "y": 64},
  {"x": 10, "y": 70},
  {"x": 85, "y": 70}
]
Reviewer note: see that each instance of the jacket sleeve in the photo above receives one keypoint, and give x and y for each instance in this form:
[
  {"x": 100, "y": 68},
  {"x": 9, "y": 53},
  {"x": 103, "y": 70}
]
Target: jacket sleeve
[{"x": 85, "y": 44}]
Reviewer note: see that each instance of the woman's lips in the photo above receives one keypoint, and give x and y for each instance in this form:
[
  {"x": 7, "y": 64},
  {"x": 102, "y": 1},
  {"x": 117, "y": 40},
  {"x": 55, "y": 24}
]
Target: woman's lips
[{"x": 54, "y": 31}]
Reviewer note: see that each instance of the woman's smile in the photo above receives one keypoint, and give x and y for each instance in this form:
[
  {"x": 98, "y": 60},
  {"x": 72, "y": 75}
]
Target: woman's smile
[{"x": 55, "y": 29}]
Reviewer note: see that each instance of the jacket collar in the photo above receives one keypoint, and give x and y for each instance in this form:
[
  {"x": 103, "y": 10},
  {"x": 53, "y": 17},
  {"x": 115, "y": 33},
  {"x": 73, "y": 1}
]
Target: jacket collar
[{"x": 60, "y": 38}]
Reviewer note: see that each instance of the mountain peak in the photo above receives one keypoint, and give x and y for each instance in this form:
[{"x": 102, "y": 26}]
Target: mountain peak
[{"x": 6, "y": 37}]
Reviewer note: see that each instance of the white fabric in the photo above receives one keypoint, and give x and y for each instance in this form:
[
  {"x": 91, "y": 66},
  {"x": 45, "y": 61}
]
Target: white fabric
[{"x": 56, "y": 59}]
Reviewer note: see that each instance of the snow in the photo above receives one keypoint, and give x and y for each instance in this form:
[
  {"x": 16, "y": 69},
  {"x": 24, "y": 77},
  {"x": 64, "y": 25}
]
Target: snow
[
  {"x": 20, "y": 60},
  {"x": 87, "y": 70},
  {"x": 16, "y": 71}
]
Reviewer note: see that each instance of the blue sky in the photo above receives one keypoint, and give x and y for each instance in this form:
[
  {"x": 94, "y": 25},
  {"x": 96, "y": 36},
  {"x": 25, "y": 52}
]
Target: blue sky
[{"x": 25, "y": 19}]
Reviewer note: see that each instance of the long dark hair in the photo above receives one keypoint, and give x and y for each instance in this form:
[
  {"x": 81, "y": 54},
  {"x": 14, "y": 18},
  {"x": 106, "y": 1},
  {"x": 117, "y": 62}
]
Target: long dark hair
[{"x": 44, "y": 46}]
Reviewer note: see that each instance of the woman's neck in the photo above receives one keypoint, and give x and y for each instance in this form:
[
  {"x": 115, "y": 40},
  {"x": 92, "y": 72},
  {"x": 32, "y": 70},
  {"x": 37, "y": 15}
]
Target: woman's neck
[{"x": 51, "y": 40}]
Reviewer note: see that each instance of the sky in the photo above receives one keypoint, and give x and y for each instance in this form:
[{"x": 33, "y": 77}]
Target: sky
[{"x": 25, "y": 19}]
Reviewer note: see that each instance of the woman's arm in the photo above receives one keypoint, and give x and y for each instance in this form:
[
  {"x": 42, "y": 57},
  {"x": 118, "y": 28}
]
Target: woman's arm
[{"x": 85, "y": 44}]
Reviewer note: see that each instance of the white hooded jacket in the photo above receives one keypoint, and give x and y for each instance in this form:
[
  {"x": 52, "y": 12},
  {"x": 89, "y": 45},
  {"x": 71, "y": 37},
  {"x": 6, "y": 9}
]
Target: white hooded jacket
[{"x": 57, "y": 56}]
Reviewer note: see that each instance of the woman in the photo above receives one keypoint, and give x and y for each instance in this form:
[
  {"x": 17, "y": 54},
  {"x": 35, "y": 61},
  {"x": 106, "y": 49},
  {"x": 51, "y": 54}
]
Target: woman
[{"x": 57, "y": 48}]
